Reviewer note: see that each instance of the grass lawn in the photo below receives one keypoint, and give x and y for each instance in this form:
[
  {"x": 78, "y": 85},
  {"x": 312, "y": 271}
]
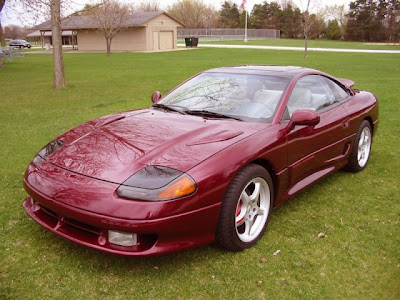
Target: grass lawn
[
  {"x": 359, "y": 213},
  {"x": 311, "y": 44}
]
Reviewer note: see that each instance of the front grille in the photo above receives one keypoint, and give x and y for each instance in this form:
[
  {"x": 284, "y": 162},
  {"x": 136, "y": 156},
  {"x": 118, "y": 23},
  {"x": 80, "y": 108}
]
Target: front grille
[{"x": 61, "y": 221}]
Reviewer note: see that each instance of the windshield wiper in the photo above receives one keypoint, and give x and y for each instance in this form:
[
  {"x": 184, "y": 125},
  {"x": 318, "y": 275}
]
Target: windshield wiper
[
  {"x": 211, "y": 114},
  {"x": 168, "y": 107}
]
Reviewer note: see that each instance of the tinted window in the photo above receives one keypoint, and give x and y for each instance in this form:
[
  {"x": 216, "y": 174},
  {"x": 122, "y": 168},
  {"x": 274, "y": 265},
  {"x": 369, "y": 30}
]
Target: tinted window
[{"x": 311, "y": 92}]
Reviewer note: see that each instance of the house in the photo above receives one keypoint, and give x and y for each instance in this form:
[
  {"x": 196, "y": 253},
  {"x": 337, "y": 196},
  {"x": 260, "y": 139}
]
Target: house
[{"x": 142, "y": 31}]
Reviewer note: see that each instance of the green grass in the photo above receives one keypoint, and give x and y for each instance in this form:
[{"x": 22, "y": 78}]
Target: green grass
[
  {"x": 359, "y": 213},
  {"x": 311, "y": 44}
]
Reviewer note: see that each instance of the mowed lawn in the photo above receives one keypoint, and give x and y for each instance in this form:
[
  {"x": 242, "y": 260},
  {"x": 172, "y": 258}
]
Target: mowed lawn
[
  {"x": 317, "y": 43},
  {"x": 359, "y": 213}
]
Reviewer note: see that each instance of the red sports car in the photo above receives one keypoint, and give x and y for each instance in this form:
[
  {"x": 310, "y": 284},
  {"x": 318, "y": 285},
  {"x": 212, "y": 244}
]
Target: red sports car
[{"x": 207, "y": 162}]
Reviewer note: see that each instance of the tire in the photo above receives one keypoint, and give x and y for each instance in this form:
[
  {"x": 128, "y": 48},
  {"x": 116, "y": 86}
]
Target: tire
[
  {"x": 245, "y": 210},
  {"x": 361, "y": 151}
]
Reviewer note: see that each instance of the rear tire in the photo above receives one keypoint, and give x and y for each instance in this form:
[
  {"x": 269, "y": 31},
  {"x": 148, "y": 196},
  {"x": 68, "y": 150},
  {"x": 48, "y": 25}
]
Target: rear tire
[
  {"x": 246, "y": 209},
  {"x": 360, "y": 153}
]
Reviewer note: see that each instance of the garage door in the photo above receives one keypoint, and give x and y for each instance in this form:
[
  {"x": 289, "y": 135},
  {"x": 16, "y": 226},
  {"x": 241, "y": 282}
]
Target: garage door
[{"x": 166, "y": 40}]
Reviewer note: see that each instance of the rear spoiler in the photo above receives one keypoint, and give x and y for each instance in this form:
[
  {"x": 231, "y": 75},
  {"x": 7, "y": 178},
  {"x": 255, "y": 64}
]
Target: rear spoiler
[{"x": 347, "y": 82}]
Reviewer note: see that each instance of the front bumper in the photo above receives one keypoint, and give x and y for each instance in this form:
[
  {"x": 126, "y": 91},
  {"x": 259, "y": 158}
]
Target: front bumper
[{"x": 155, "y": 236}]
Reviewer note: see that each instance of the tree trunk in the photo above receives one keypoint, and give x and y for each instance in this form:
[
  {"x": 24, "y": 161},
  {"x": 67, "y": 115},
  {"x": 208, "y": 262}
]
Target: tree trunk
[
  {"x": 58, "y": 61},
  {"x": 2, "y": 39},
  {"x": 108, "y": 46},
  {"x": 307, "y": 26},
  {"x": 305, "y": 45}
]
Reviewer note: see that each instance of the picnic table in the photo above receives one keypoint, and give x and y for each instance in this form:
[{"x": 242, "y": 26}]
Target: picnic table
[{"x": 8, "y": 53}]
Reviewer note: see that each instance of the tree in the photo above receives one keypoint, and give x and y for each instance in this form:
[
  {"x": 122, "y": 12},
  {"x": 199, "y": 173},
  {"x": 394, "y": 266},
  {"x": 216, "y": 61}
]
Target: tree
[
  {"x": 229, "y": 15},
  {"x": 110, "y": 17},
  {"x": 390, "y": 11},
  {"x": 148, "y": 5},
  {"x": 15, "y": 32},
  {"x": 266, "y": 15},
  {"x": 365, "y": 22},
  {"x": 58, "y": 60},
  {"x": 193, "y": 13},
  {"x": 307, "y": 23},
  {"x": 318, "y": 27},
  {"x": 338, "y": 13},
  {"x": 291, "y": 22},
  {"x": 2, "y": 39},
  {"x": 333, "y": 31},
  {"x": 313, "y": 25},
  {"x": 36, "y": 9}
]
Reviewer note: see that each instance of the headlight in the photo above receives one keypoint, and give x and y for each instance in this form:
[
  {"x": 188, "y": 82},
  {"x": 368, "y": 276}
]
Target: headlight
[
  {"x": 47, "y": 150},
  {"x": 156, "y": 183}
]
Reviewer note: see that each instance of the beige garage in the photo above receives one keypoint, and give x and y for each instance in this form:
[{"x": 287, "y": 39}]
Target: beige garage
[{"x": 143, "y": 31}]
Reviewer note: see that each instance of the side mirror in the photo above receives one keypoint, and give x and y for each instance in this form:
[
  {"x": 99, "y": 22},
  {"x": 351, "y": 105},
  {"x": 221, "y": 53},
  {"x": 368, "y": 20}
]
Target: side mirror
[
  {"x": 156, "y": 97},
  {"x": 303, "y": 117}
]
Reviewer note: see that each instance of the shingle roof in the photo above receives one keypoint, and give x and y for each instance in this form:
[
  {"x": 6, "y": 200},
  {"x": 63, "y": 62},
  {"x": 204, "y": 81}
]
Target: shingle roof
[{"x": 86, "y": 22}]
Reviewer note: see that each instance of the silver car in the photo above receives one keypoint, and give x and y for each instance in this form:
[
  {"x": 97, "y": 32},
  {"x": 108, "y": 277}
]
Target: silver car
[{"x": 20, "y": 44}]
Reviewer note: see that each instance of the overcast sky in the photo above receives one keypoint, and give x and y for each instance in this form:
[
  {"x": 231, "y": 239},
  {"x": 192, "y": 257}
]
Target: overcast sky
[{"x": 10, "y": 14}]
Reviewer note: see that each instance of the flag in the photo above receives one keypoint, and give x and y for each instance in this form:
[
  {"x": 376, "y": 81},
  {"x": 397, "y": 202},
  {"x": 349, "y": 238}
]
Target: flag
[{"x": 243, "y": 4}]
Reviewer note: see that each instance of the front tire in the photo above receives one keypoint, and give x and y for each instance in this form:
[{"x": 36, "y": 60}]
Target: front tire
[
  {"x": 246, "y": 209},
  {"x": 360, "y": 153}
]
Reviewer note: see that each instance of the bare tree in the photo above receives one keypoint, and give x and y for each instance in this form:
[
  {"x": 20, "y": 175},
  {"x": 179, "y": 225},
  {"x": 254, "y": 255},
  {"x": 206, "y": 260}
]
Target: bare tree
[
  {"x": 58, "y": 59},
  {"x": 307, "y": 23},
  {"x": 339, "y": 13},
  {"x": 148, "y": 5},
  {"x": 193, "y": 13},
  {"x": 36, "y": 9},
  {"x": 110, "y": 17},
  {"x": 2, "y": 39}
]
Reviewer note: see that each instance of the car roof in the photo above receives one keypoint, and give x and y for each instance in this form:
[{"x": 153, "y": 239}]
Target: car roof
[{"x": 271, "y": 70}]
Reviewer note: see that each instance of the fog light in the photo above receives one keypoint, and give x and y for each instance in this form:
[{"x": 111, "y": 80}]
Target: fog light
[{"x": 122, "y": 238}]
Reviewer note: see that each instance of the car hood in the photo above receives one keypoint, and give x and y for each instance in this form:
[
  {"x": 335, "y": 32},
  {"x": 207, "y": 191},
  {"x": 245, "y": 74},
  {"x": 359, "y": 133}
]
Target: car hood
[{"x": 114, "y": 147}]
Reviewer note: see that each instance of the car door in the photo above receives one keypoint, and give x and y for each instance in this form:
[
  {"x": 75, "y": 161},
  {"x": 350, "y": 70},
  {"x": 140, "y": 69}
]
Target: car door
[{"x": 317, "y": 148}]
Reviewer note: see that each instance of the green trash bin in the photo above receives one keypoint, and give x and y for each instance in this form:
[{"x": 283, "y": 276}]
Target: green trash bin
[
  {"x": 188, "y": 42},
  {"x": 191, "y": 41}
]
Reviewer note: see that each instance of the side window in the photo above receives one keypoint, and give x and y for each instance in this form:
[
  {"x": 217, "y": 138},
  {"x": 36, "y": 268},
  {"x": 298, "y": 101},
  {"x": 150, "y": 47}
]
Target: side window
[
  {"x": 311, "y": 92},
  {"x": 339, "y": 93}
]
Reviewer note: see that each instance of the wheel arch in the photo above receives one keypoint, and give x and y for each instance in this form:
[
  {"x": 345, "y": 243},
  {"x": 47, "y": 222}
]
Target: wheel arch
[
  {"x": 267, "y": 165},
  {"x": 369, "y": 119}
]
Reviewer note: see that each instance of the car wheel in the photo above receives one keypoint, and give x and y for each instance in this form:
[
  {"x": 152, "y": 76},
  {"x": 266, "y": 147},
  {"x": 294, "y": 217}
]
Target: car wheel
[
  {"x": 361, "y": 149},
  {"x": 245, "y": 209}
]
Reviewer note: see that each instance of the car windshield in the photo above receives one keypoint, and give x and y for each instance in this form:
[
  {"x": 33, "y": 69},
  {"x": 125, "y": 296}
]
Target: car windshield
[{"x": 239, "y": 96}]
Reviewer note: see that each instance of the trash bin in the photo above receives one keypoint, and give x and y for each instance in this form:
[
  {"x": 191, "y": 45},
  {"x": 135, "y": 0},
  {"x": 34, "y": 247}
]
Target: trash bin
[
  {"x": 191, "y": 41},
  {"x": 188, "y": 42},
  {"x": 195, "y": 41},
  {"x": 47, "y": 46}
]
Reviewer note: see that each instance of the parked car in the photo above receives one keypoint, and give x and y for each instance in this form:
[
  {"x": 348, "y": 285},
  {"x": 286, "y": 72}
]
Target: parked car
[
  {"x": 207, "y": 162},
  {"x": 20, "y": 44}
]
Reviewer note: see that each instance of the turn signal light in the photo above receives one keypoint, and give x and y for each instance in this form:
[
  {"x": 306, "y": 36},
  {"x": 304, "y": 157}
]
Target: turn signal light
[{"x": 183, "y": 187}]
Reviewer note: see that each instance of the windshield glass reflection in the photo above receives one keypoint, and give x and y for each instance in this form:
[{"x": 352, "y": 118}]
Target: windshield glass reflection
[{"x": 249, "y": 97}]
